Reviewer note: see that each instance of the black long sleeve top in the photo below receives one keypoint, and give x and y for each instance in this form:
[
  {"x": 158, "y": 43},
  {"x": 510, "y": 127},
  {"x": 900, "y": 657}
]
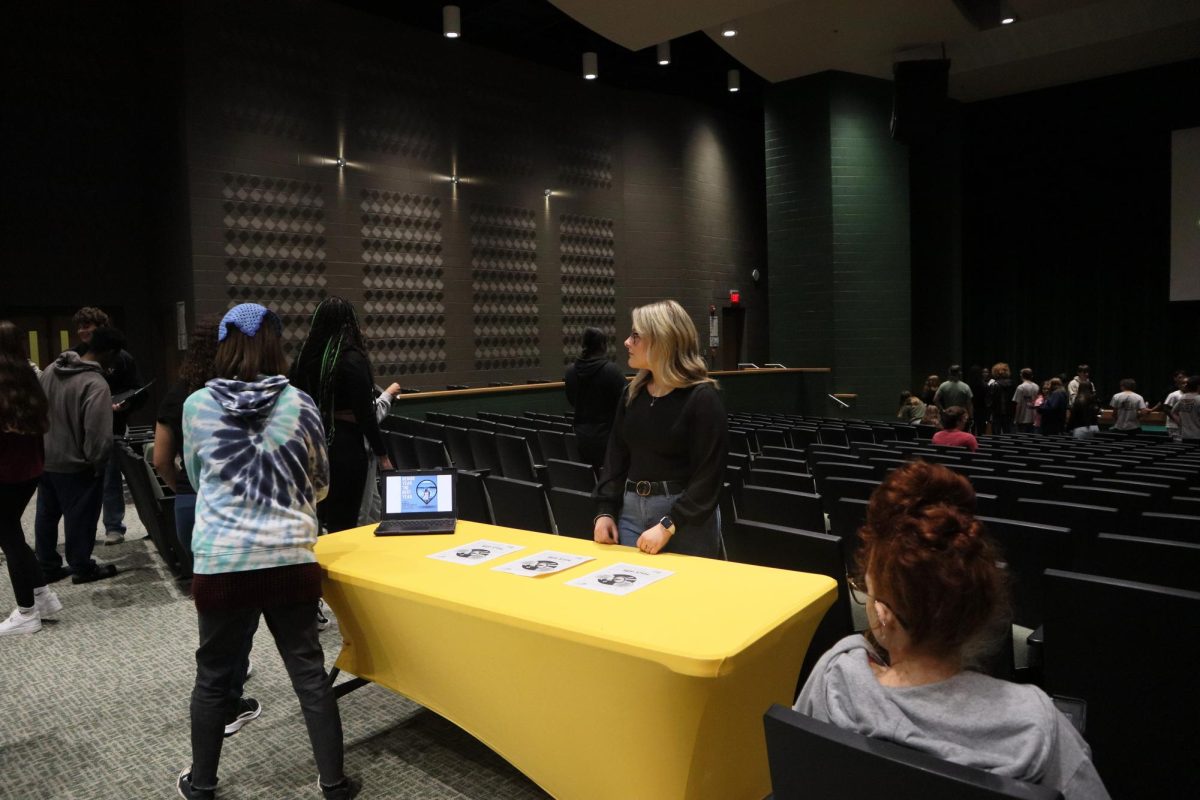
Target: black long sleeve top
[
  {"x": 681, "y": 436},
  {"x": 353, "y": 391}
]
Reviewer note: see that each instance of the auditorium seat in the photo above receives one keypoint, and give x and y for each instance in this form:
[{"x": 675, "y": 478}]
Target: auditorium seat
[
  {"x": 515, "y": 459},
  {"x": 813, "y": 759},
  {"x": 835, "y": 488},
  {"x": 792, "y": 481},
  {"x": 401, "y": 450},
  {"x": 1178, "y": 527},
  {"x": 474, "y": 505},
  {"x": 553, "y": 444},
  {"x": 431, "y": 453},
  {"x": 1084, "y": 520},
  {"x": 1029, "y": 549},
  {"x": 574, "y": 512},
  {"x": 153, "y": 515},
  {"x": 1163, "y": 562},
  {"x": 1121, "y": 647},
  {"x": 780, "y": 507},
  {"x": 458, "y": 444},
  {"x": 1005, "y": 487},
  {"x": 781, "y": 464},
  {"x": 484, "y": 452},
  {"x": 519, "y": 504},
  {"x": 846, "y": 517},
  {"x": 563, "y": 474}
]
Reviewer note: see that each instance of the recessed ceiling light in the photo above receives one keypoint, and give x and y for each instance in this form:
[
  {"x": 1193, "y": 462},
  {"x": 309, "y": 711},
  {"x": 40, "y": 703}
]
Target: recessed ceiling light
[
  {"x": 663, "y": 53},
  {"x": 591, "y": 67},
  {"x": 729, "y": 30},
  {"x": 451, "y": 22}
]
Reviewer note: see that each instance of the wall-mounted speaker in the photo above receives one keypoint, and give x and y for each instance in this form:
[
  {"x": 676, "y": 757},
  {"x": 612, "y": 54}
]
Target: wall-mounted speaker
[{"x": 919, "y": 98}]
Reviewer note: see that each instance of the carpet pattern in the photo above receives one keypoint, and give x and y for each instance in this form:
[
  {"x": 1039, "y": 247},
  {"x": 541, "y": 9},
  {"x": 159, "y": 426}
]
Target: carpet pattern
[{"x": 96, "y": 706}]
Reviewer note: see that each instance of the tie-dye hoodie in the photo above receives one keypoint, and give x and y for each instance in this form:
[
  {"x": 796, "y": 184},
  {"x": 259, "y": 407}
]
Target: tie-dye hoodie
[{"x": 256, "y": 451}]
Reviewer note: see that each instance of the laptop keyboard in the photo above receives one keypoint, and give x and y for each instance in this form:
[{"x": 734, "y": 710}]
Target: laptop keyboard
[{"x": 415, "y": 525}]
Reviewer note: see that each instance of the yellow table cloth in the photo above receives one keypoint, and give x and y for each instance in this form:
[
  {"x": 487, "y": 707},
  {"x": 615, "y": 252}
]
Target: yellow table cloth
[{"x": 658, "y": 694}]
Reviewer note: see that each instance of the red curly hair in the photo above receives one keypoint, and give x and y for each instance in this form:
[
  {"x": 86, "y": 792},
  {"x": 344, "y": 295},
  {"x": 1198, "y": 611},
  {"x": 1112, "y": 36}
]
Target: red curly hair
[{"x": 931, "y": 559}]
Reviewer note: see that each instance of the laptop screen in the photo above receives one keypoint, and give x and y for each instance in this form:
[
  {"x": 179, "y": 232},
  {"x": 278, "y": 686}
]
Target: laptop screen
[{"x": 429, "y": 493}]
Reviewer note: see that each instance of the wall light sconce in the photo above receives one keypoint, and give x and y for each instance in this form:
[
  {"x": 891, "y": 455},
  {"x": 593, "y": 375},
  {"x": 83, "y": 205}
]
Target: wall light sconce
[
  {"x": 340, "y": 162},
  {"x": 664, "y": 53},
  {"x": 729, "y": 30},
  {"x": 454, "y": 179},
  {"x": 548, "y": 192},
  {"x": 591, "y": 66},
  {"x": 451, "y": 22},
  {"x": 734, "y": 80}
]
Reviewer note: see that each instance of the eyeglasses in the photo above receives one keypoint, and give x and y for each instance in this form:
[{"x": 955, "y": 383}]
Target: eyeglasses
[{"x": 860, "y": 595}]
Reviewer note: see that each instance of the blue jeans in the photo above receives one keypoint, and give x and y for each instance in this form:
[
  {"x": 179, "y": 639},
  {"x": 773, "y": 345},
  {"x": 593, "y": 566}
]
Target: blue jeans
[
  {"x": 114, "y": 496},
  {"x": 185, "y": 519},
  {"x": 640, "y": 513},
  {"x": 73, "y": 497}
]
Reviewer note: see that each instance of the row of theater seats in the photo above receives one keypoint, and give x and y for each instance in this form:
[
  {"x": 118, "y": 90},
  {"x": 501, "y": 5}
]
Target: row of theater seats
[{"x": 1101, "y": 539}]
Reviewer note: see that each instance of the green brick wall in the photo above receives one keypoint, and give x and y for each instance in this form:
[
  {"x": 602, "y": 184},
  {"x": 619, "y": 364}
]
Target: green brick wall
[{"x": 838, "y": 235}]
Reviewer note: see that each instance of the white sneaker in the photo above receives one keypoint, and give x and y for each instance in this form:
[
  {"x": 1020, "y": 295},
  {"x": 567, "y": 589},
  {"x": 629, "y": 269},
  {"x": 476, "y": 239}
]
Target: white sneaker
[
  {"x": 46, "y": 602},
  {"x": 324, "y": 612},
  {"x": 21, "y": 622}
]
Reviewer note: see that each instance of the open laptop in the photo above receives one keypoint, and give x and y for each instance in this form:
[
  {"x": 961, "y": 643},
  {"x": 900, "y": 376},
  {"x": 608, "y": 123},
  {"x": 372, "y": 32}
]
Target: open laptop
[{"x": 418, "y": 501}]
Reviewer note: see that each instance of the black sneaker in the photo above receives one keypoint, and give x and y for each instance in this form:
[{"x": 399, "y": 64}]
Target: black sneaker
[
  {"x": 101, "y": 572},
  {"x": 247, "y": 710},
  {"x": 189, "y": 792},
  {"x": 347, "y": 789}
]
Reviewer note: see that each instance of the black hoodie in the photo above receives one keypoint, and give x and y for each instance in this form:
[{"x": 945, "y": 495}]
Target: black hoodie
[{"x": 594, "y": 387}]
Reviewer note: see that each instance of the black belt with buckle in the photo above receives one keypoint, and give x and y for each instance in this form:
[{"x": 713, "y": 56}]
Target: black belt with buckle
[{"x": 647, "y": 488}]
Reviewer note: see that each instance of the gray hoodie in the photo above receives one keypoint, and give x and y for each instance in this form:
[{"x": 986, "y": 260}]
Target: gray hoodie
[
  {"x": 81, "y": 435},
  {"x": 1009, "y": 729}
]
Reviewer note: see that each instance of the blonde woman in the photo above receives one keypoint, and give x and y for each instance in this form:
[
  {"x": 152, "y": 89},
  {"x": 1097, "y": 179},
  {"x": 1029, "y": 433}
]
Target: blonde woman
[{"x": 666, "y": 455}]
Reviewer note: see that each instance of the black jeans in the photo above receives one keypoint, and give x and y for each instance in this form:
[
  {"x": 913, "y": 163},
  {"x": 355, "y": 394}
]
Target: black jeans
[
  {"x": 23, "y": 568},
  {"x": 75, "y": 498},
  {"x": 220, "y": 664},
  {"x": 347, "y": 477}
]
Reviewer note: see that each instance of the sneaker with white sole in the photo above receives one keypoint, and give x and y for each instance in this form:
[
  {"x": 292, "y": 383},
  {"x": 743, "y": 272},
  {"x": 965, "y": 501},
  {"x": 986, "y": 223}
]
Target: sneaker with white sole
[
  {"x": 247, "y": 711},
  {"x": 114, "y": 537},
  {"x": 46, "y": 602},
  {"x": 28, "y": 621},
  {"x": 249, "y": 668}
]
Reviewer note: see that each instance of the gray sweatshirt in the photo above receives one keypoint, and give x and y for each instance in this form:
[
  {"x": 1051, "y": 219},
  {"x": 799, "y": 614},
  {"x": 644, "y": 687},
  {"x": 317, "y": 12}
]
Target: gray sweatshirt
[
  {"x": 81, "y": 434},
  {"x": 1009, "y": 729}
]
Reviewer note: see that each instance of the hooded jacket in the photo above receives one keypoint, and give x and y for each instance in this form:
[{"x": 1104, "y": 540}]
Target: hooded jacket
[
  {"x": 255, "y": 451},
  {"x": 594, "y": 387},
  {"x": 1009, "y": 729},
  {"x": 80, "y": 436}
]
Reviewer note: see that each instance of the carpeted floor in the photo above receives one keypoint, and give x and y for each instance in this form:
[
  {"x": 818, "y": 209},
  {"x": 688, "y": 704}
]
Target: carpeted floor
[{"x": 96, "y": 706}]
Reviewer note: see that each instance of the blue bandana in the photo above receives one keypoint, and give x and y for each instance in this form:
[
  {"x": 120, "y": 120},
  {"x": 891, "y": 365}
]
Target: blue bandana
[{"x": 247, "y": 318}]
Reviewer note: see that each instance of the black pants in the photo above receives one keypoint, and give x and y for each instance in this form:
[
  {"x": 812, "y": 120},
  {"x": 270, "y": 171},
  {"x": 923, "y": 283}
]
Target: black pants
[
  {"x": 347, "y": 477},
  {"x": 220, "y": 663},
  {"x": 23, "y": 568},
  {"x": 74, "y": 497}
]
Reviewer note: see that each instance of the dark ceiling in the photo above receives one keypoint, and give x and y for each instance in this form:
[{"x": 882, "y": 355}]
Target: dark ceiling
[{"x": 535, "y": 30}]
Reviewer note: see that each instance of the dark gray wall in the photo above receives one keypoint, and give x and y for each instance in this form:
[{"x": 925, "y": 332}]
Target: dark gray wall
[
  {"x": 653, "y": 196},
  {"x": 838, "y": 234}
]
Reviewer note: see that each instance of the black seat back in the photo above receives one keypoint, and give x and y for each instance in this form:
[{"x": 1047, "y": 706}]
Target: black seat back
[
  {"x": 515, "y": 459},
  {"x": 1117, "y": 645},
  {"x": 484, "y": 452},
  {"x": 553, "y": 444},
  {"x": 519, "y": 504},
  {"x": 1180, "y": 527},
  {"x": 431, "y": 454},
  {"x": 574, "y": 512},
  {"x": 150, "y": 511},
  {"x": 474, "y": 504},
  {"x": 563, "y": 474},
  {"x": 781, "y": 507},
  {"x": 793, "y": 481},
  {"x": 1029, "y": 549},
  {"x": 1136, "y": 558},
  {"x": 813, "y": 759},
  {"x": 458, "y": 444},
  {"x": 401, "y": 450}
]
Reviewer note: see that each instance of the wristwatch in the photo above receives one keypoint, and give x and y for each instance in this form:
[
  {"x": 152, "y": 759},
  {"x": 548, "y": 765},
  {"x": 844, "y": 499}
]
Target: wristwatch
[{"x": 669, "y": 524}]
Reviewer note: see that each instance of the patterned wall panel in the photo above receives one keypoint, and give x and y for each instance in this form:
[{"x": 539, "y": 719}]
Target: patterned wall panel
[
  {"x": 589, "y": 280},
  {"x": 275, "y": 248},
  {"x": 405, "y": 322},
  {"x": 504, "y": 282}
]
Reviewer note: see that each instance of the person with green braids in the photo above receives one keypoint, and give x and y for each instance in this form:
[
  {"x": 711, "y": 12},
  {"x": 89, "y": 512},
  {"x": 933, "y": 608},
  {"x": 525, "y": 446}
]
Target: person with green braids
[{"x": 332, "y": 367}]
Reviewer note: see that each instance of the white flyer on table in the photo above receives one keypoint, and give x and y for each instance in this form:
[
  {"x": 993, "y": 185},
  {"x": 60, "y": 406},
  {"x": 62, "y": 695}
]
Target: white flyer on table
[
  {"x": 546, "y": 562},
  {"x": 476, "y": 552},
  {"x": 620, "y": 578}
]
